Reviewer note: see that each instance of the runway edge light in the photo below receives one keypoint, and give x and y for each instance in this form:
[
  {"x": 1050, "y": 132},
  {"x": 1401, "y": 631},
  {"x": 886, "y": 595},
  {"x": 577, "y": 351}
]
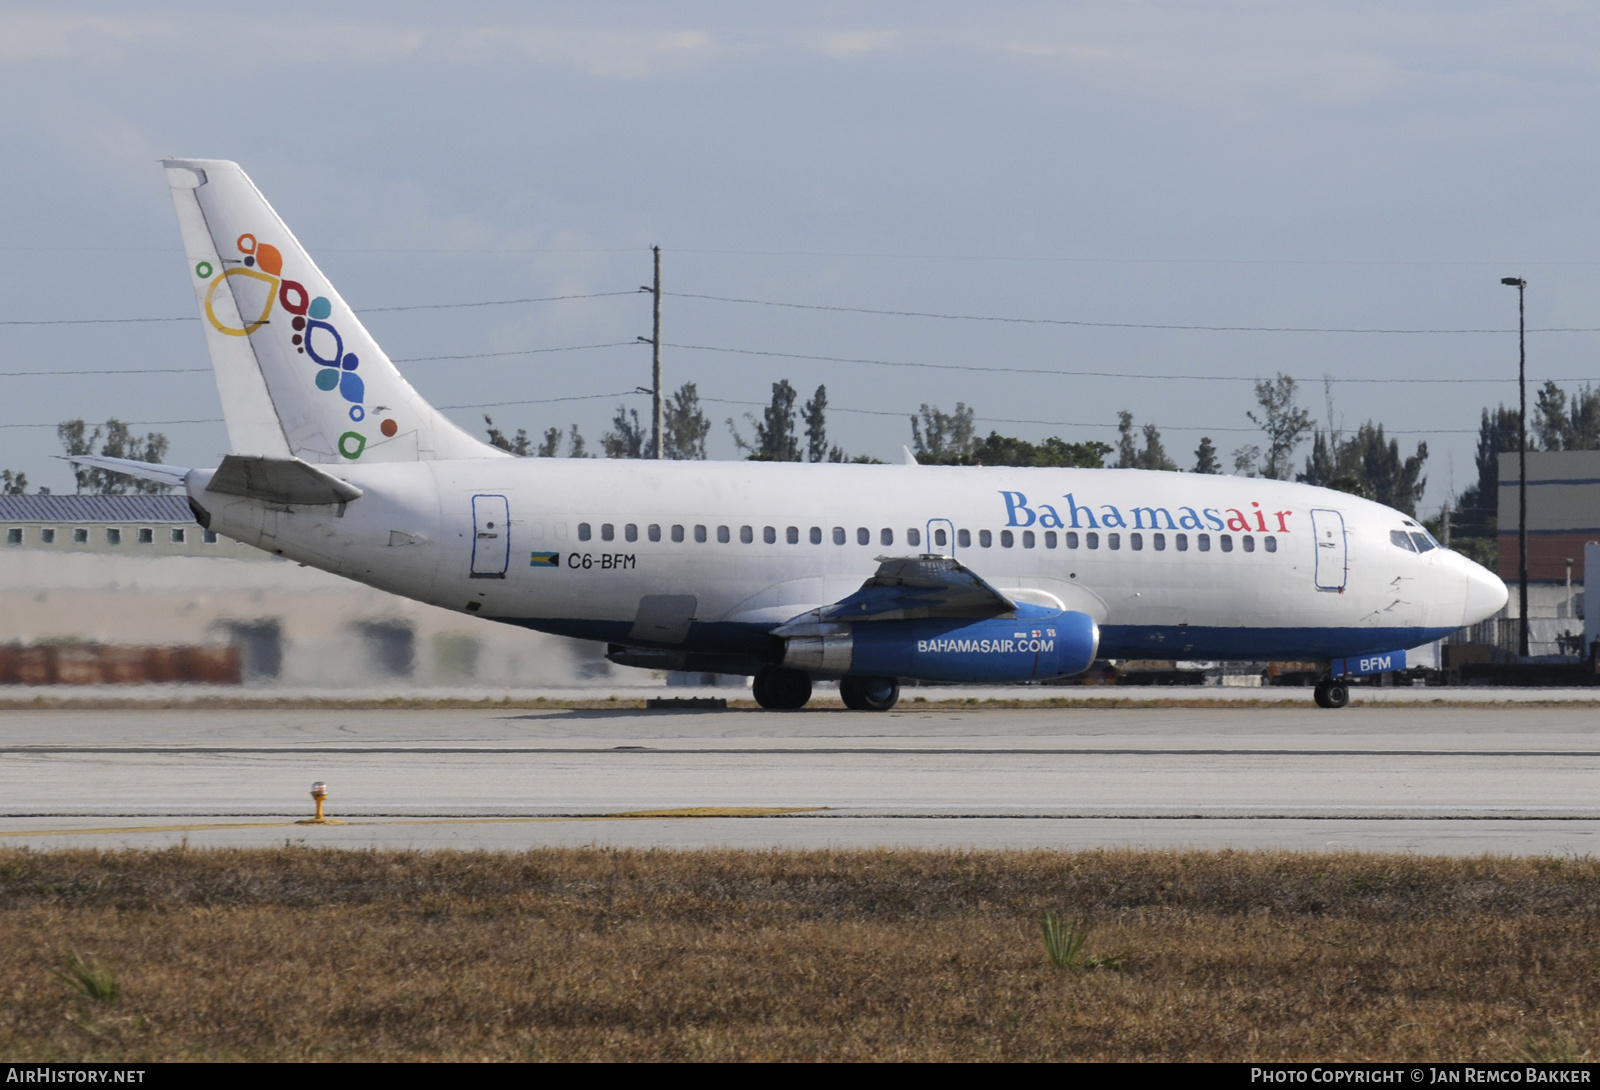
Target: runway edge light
[{"x": 319, "y": 792}]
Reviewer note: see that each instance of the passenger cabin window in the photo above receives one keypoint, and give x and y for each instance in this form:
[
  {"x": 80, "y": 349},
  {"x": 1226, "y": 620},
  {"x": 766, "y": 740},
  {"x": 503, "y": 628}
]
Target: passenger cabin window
[
  {"x": 1027, "y": 539},
  {"x": 816, "y": 535},
  {"x": 677, "y": 533},
  {"x": 1049, "y": 539},
  {"x": 940, "y": 538},
  {"x": 700, "y": 535},
  {"x": 1072, "y": 539},
  {"x": 886, "y": 536},
  {"x": 985, "y": 539},
  {"x": 1182, "y": 542},
  {"x": 1159, "y": 541},
  {"x": 838, "y": 535},
  {"x": 792, "y": 535},
  {"x": 583, "y": 531},
  {"x": 863, "y": 536},
  {"x": 1402, "y": 540},
  {"x": 1091, "y": 539},
  {"x": 1136, "y": 541},
  {"x": 747, "y": 535},
  {"x": 1249, "y": 543},
  {"x": 630, "y": 532},
  {"x": 914, "y": 537},
  {"x": 1271, "y": 544},
  {"x": 723, "y": 536},
  {"x": 1008, "y": 540},
  {"x": 1226, "y": 542},
  {"x": 1204, "y": 541},
  {"x": 964, "y": 538},
  {"x": 769, "y": 534},
  {"x": 608, "y": 532},
  {"x": 653, "y": 531}
]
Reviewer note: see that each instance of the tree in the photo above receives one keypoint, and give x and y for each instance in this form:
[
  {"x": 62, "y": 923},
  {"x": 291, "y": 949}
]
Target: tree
[
  {"x": 497, "y": 438},
  {"x": 575, "y": 449},
  {"x": 1004, "y": 450},
  {"x": 1284, "y": 423},
  {"x": 1129, "y": 456},
  {"x": 1479, "y": 506},
  {"x": 1205, "y": 457},
  {"x": 685, "y": 426},
  {"x": 551, "y": 446},
  {"x": 815, "y": 416},
  {"x": 1558, "y": 427},
  {"x": 119, "y": 442},
  {"x": 626, "y": 437},
  {"x": 13, "y": 484},
  {"x": 942, "y": 439},
  {"x": 1368, "y": 465},
  {"x": 774, "y": 433}
]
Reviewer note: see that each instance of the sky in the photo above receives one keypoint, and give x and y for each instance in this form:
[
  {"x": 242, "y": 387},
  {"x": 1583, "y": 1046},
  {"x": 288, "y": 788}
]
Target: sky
[{"x": 1100, "y": 169}]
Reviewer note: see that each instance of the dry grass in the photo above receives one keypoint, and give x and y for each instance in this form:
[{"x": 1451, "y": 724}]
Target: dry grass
[{"x": 596, "y": 954}]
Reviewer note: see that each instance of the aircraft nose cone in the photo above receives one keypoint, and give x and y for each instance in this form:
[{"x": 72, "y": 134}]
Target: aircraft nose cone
[{"x": 1486, "y": 594}]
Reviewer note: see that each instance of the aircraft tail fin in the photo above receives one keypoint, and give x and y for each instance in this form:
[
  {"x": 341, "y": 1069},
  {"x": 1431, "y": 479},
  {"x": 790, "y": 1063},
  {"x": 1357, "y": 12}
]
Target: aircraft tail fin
[{"x": 299, "y": 375}]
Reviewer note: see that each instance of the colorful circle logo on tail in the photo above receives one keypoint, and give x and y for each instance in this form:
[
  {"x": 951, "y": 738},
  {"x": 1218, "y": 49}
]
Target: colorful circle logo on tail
[{"x": 312, "y": 331}]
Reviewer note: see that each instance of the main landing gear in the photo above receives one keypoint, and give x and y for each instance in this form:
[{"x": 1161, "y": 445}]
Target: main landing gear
[
  {"x": 1332, "y": 693},
  {"x": 777, "y": 688},
  {"x": 869, "y": 694}
]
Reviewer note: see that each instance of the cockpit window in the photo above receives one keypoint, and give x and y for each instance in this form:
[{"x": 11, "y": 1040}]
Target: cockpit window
[
  {"x": 1402, "y": 540},
  {"x": 1424, "y": 542}
]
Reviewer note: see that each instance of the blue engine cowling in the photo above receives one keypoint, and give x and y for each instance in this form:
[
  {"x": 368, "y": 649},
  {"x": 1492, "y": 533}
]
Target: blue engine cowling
[{"x": 1035, "y": 645}]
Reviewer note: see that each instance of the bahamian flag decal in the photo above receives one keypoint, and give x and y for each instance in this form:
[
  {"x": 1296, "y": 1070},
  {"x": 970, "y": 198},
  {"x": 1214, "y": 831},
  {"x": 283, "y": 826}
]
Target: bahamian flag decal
[{"x": 545, "y": 560}]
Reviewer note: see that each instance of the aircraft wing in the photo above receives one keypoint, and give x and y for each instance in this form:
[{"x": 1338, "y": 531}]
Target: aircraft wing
[
  {"x": 911, "y": 588},
  {"x": 145, "y": 471}
]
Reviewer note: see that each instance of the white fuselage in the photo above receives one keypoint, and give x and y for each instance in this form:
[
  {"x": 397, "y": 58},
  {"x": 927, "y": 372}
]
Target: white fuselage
[{"x": 1169, "y": 565}]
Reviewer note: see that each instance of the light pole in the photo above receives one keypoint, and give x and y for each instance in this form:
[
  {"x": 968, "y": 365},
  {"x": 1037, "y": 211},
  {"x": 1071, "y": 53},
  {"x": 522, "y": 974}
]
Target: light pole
[{"x": 1522, "y": 465}]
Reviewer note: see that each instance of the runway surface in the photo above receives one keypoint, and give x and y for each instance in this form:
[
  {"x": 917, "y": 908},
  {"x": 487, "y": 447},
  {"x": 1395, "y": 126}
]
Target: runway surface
[{"x": 1458, "y": 781}]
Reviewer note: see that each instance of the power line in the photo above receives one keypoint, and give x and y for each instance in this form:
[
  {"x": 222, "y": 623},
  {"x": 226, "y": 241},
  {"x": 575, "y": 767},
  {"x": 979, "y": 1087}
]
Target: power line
[
  {"x": 411, "y": 359},
  {"x": 363, "y": 310},
  {"x": 1103, "y": 325},
  {"x": 1078, "y": 374}
]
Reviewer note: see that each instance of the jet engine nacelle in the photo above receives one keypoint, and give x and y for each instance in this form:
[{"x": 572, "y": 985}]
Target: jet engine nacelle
[{"x": 1043, "y": 644}]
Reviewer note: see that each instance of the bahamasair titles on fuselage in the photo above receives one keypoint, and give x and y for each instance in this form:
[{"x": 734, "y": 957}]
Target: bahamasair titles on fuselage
[{"x": 789, "y": 572}]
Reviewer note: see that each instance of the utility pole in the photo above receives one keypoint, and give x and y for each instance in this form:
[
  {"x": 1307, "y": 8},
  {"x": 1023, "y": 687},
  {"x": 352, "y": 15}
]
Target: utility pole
[
  {"x": 654, "y": 341},
  {"x": 1522, "y": 461}
]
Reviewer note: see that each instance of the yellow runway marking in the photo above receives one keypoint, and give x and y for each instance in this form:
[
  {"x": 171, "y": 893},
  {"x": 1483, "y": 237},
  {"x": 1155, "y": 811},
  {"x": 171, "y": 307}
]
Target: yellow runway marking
[{"x": 631, "y": 815}]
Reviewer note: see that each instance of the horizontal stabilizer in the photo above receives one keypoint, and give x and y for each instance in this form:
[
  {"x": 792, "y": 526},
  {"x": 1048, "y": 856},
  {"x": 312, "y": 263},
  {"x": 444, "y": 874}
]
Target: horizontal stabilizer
[
  {"x": 145, "y": 471},
  {"x": 912, "y": 588},
  {"x": 287, "y": 481}
]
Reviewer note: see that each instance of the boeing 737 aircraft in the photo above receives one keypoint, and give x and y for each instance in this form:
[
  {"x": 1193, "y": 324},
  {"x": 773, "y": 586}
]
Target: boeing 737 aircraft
[{"x": 870, "y": 574}]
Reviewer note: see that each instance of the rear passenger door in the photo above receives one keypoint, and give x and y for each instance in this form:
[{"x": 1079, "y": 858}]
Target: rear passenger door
[{"x": 491, "y": 537}]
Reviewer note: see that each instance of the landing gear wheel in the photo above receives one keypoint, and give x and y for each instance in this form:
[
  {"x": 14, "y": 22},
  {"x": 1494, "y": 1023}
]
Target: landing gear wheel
[
  {"x": 1332, "y": 694},
  {"x": 869, "y": 694},
  {"x": 777, "y": 688}
]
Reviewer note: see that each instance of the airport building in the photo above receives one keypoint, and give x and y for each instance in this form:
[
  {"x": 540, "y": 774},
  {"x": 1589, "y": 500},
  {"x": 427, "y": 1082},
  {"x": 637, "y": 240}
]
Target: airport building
[
  {"x": 1563, "y": 516},
  {"x": 127, "y": 589}
]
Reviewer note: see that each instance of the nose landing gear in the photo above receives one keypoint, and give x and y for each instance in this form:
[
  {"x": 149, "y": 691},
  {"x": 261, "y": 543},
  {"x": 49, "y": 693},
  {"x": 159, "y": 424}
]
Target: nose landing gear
[{"x": 1332, "y": 693}]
